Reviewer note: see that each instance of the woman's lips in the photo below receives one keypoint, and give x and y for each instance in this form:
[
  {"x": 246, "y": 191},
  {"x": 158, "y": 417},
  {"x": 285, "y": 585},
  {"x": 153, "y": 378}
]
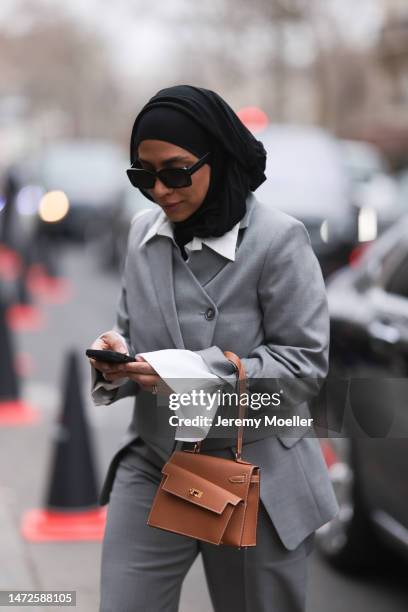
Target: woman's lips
[{"x": 171, "y": 205}]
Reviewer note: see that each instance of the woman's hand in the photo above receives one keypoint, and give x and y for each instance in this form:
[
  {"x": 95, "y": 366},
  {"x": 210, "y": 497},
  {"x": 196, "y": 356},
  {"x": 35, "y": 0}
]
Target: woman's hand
[
  {"x": 109, "y": 341},
  {"x": 141, "y": 372}
]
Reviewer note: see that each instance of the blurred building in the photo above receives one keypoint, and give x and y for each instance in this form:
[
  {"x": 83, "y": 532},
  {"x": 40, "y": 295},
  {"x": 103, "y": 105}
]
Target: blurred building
[
  {"x": 380, "y": 116},
  {"x": 394, "y": 52},
  {"x": 391, "y": 132}
]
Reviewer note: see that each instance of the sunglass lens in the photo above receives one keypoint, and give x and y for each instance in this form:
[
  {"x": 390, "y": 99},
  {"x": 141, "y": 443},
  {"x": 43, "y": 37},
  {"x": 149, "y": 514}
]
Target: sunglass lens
[
  {"x": 175, "y": 177},
  {"x": 140, "y": 178}
]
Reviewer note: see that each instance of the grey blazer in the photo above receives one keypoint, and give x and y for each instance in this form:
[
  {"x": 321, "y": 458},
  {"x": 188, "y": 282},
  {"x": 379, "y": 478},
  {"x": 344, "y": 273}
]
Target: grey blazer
[{"x": 269, "y": 307}]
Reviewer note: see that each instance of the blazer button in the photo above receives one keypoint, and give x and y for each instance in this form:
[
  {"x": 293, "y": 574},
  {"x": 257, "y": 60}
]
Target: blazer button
[{"x": 209, "y": 314}]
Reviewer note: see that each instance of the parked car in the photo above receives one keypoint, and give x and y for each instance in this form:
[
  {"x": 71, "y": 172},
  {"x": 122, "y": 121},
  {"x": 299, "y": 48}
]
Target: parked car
[
  {"x": 367, "y": 444},
  {"x": 402, "y": 194},
  {"x": 362, "y": 160},
  {"x": 374, "y": 189},
  {"x": 307, "y": 179},
  {"x": 78, "y": 186}
]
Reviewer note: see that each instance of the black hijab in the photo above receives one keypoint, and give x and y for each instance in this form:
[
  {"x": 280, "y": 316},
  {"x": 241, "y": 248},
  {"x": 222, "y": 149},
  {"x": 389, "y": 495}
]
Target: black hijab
[{"x": 204, "y": 121}]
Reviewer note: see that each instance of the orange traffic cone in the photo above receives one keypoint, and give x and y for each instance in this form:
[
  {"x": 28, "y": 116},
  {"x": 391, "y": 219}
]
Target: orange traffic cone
[
  {"x": 44, "y": 279},
  {"x": 72, "y": 511},
  {"x": 10, "y": 263}
]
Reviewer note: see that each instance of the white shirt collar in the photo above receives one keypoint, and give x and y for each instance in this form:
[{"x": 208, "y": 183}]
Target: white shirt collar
[{"x": 224, "y": 245}]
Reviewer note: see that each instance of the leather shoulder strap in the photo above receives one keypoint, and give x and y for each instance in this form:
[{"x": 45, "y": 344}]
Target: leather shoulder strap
[
  {"x": 241, "y": 386},
  {"x": 241, "y": 376}
]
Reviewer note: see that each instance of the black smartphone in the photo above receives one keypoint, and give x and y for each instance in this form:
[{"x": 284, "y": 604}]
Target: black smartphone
[{"x": 109, "y": 356}]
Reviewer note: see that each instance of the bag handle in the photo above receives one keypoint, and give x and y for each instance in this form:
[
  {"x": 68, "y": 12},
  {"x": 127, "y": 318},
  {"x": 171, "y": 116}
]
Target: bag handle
[{"x": 241, "y": 384}]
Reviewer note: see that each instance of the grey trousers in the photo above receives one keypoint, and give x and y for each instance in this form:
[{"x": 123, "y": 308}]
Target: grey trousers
[{"x": 143, "y": 568}]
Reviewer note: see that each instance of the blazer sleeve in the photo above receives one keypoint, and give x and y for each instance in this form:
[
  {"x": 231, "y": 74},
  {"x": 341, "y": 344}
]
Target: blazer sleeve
[{"x": 294, "y": 354}]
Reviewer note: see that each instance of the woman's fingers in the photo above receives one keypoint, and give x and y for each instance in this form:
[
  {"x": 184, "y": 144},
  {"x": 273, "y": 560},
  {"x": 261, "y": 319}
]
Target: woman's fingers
[
  {"x": 151, "y": 382},
  {"x": 114, "y": 341},
  {"x": 108, "y": 341},
  {"x": 143, "y": 373},
  {"x": 109, "y": 368},
  {"x": 145, "y": 380},
  {"x": 139, "y": 367},
  {"x": 99, "y": 345},
  {"x": 128, "y": 369},
  {"x": 139, "y": 371},
  {"x": 113, "y": 376},
  {"x": 148, "y": 382}
]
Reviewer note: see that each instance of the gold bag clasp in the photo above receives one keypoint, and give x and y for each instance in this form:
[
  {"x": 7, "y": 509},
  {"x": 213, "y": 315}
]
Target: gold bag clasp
[{"x": 195, "y": 492}]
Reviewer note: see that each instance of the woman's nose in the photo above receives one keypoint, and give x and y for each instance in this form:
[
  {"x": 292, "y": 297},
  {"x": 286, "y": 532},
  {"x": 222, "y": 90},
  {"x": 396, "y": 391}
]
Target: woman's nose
[{"x": 160, "y": 189}]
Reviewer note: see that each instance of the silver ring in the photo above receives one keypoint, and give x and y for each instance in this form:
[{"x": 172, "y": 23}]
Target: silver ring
[{"x": 154, "y": 389}]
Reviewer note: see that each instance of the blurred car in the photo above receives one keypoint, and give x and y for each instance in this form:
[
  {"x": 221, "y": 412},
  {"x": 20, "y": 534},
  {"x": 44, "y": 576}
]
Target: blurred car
[
  {"x": 307, "y": 179},
  {"x": 374, "y": 190},
  {"x": 73, "y": 187},
  {"x": 402, "y": 193},
  {"x": 367, "y": 447},
  {"x": 362, "y": 160}
]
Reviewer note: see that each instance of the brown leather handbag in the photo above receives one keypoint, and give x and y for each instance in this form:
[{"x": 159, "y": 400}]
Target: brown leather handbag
[{"x": 210, "y": 498}]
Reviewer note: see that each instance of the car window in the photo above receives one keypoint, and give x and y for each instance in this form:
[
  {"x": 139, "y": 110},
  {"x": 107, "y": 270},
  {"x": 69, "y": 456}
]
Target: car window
[
  {"x": 361, "y": 160},
  {"x": 381, "y": 260},
  {"x": 402, "y": 195},
  {"x": 398, "y": 281}
]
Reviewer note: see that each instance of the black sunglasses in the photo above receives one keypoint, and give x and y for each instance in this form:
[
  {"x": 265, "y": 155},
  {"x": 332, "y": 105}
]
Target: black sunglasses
[{"x": 171, "y": 177}]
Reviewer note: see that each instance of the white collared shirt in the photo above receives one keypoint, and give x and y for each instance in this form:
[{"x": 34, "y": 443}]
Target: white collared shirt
[{"x": 224, "y": 245}]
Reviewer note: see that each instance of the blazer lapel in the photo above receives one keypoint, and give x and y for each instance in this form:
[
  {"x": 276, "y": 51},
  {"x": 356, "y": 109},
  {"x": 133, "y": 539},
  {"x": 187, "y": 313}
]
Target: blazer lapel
[
  {"x": 159, "y": 253},
  {"x": 206, "y": 264}
]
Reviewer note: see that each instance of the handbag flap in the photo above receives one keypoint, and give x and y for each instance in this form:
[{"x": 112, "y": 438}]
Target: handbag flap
[{"x": 197, "y": 490}]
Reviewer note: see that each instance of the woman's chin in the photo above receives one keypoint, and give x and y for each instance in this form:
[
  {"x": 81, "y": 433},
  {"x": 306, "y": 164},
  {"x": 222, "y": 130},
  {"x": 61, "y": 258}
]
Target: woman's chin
[{"x": 177, "y": 213}]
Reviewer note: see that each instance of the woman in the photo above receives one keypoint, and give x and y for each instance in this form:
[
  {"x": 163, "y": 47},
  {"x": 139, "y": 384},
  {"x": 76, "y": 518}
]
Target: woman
[{"x": 213, "y": 269}]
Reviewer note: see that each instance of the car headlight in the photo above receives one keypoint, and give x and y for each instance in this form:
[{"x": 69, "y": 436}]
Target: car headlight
[
  {"x": 367, "y": 224},
  {"x": 54, "y": 206}
]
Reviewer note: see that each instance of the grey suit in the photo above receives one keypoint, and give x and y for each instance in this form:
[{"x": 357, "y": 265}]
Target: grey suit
[{"x": 270, "y": 309}]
